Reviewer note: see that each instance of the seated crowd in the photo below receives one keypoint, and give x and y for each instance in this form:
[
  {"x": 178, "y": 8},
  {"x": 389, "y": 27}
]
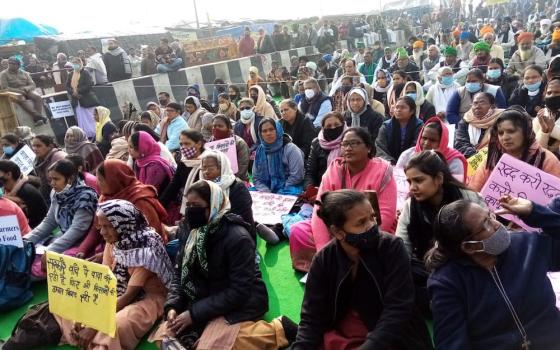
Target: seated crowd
[{"x": 377, "y": 267}]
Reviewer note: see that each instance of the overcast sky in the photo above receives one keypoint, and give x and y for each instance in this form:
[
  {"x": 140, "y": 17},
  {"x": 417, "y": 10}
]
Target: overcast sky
[{"x": 107, "y": 15}]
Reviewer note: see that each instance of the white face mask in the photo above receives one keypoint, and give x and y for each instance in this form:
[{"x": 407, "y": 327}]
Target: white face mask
[{"x": 309, "y": 93}]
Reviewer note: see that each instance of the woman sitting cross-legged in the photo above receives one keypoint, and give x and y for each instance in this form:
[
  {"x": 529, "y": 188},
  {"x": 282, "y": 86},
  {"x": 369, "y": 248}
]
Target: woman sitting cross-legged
[
  {"x": 218, "y": 295},
  {"x": 359, "y": 292}
]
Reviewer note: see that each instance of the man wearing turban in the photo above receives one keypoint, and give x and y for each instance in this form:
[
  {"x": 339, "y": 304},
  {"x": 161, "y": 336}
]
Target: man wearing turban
[
  {"x": 482, "y": 56},
  {"x": 460, "y": 68},
  {"x": 418, "y": 54},
  {"x": 554, "y": 48},
  {"x": 527, "y": 54},
  {"x": 465, "y": 47},
  {"x": 405, "y": 64}
]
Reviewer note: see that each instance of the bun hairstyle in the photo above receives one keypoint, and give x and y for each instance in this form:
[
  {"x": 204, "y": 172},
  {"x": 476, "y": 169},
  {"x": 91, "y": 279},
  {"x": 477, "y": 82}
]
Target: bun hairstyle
[{"x": 334, "y": 205}]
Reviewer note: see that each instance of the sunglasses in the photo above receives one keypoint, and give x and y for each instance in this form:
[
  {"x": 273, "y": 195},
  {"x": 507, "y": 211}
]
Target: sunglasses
[{"x": 244, "y": 108}]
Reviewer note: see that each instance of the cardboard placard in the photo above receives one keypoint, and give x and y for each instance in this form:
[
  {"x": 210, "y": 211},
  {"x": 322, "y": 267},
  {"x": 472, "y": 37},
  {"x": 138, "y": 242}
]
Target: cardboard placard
[
  {"x": 24, "y": 158},
  {"x": 228, "y": 147},
  {"x": 61, "y": 109}
]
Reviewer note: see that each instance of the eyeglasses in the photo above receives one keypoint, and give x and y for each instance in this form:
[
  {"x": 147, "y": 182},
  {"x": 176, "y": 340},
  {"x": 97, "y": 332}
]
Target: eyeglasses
[
  {"x": 244, "y": 108},
  {"x": 350, "y": 144}
]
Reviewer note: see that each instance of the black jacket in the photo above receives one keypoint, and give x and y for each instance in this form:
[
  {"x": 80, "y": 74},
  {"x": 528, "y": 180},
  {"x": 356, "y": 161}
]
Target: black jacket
[
  {"x": 427, "y": 110},
  {"x": 462, "y": 140},
  {"x": 85, "y": 85},
  {"x": 370, "y": 119},
  {"x": 242, "y": 203},
  {"x": 233, "y": 288},
  {"x": 507, "y": 83},
  {"x": 302, "y": 132},
  {"x": 382, "y": 294},
  {"x": 316, "y": 165},
  {"x": 35, "y": 206},
  {"x": 520, "y": 96}
]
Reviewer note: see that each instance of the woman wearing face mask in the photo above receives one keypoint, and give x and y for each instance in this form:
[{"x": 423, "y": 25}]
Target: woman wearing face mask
[
  {"x": 511, "y": 305},
  {"x": 47, "y": 153},
  {"x": 400, "y": 132},
  {"x": 547, "y": 124},
  {"x": 530, "y": 94},
  {"x": 431, "y": 186},
  {"x": 360, "y": 114},
  {"x": 215, "y": 166},
  {"x": 193, "y": 113},
  {"x": 234, "y": 94},
  {"x": 359, "y": 291},
  {"x": 262, "y": 107},
  {"x": 395, "y": 90},
  {"x": 79, "y": 86},
  {"x": 512, "y": 134},
  {"x": 497, "y": 75},
  {"x": 71, "y": 210},
  {"x": 339, "y": 97},
  {"x": 324, "y": 148},
  {"x": 217, "y": 283},
  {"x": 148, "y": 165},
  {"x": 248, "y": 125},
  {"x": 440, "y": 92},
  {"x": 296, "y": 125},
  {"x": 279, "y": 165},
  {"x": 461, "y": 101},
  {"x": 11, "y": 144},
  {"x": 221, "y": 129},
  {"x": 424, "y": 109},
  {"x": 472, "y": 132},
  {"x": 382, "y": 84},
  {"x": 435, "y": 136},
  {"x": 227, "y": 107},
  {"x": 105, "y": 130},
  {"x": 76, "y": 142},
  {"x": 356, "y": 169}
]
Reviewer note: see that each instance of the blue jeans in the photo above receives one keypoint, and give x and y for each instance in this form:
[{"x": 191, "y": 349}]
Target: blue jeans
[{"x": 170, "y": 67}]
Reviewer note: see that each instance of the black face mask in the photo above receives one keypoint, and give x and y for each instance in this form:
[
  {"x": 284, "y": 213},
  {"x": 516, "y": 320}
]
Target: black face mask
[
  {"x": 163, "y": 102},
  {"x": 346, "y": 88},
  {"x": 365, "y": 240},
  {"x": 196, "y": 217},
  {"x": 333, "y": 134},
  {"x": 552, "y": 103},
  {"x": 232, "y": 97}
]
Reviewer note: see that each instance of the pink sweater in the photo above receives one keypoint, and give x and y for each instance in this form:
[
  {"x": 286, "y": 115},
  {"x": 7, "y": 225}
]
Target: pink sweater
[{"x": 376, "y": 176}]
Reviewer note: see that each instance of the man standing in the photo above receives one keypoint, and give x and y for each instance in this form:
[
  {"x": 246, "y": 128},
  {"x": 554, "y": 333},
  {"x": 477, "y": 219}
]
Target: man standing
[
  {"x": 526, "y": 55},
  {"x": 16, "y": 80},
  {"x": 264, "y": 44},
  {"x": 368, "y": 67},
  {"x": 117, "y": 62},
  {"x": 246, "y": 44},
  {"x": 60, "y": 72},
  {"x": 96, "y": 66}
]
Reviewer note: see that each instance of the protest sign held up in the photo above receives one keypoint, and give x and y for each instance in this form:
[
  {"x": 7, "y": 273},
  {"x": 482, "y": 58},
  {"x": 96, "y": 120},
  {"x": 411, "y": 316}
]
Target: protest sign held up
[
  {"x": 82, "y": 291},
  {"x": 10, "y": 233},
  {"x": 402, "y": 187},
  {"x": 24, "y": 158},
  {"x": 228, "y": 147}
]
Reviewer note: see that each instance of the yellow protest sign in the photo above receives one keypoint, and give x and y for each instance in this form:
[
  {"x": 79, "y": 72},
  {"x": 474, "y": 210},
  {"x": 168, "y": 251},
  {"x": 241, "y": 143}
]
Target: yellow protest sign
[
  {"x": 475, "y": 160},
  {"x": 82, "y": 291}
]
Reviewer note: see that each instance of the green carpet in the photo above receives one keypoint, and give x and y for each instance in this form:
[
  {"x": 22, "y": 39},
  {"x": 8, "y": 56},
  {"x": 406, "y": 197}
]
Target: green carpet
[{"x": 285, "y": 292}]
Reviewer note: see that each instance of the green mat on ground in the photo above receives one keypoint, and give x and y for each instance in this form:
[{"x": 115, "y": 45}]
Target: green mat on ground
[{"x": 285, "y": 292}]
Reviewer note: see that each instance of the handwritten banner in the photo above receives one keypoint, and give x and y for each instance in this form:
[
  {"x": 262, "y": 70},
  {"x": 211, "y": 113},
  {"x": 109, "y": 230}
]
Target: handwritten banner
[
  {"x": 475, "y": 161},
  {"x": 10, "y": 232},
  {"x": 24, "y": 158},
  {"x": 228, "y": 147},
  {"x": 82, "y": 291},
  {"x": 519, "y": 179},
  {"x": 402, "y": 187},
  {"x": 268, "y": 208}
]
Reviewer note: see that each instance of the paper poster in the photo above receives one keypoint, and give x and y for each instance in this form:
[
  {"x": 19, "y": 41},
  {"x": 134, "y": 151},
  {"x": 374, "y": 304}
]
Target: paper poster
[
  {"x": 474, "y": 161},
  {"x": 555, "y": 281},
  {"x": 82, "y": 291},
  {"x": 24, "y": 158},
  {"x": 228, "y": 147},
  {"x": 61, "y": 109},
  {"x": 519, "y": 179},
  {"x": 10, "y": 233},
  {"x": 402, "y": 187},
  {"x": 268, "y": 208},
  {"x": 451, "y": 128}
]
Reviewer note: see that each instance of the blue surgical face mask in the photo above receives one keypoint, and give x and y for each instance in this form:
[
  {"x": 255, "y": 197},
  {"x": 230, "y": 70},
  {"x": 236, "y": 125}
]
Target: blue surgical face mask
[
  {"x": 473, "y": 87},
  {"x": 412, "y": 95},
  {"x": 247, "y": 114},
  {"x": 447, "y": 80},
  {"x": 533, "y": 87},
  {"x": 494, "y": 73},
  {"x": 8, "y": 150}
]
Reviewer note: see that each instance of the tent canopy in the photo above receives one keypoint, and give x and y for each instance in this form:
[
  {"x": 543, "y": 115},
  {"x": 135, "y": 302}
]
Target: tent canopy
[{"x": 22, "y": 29}]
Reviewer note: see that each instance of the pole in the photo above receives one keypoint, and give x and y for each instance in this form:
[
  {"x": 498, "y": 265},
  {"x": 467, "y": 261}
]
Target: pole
[{"x": 196, "y": 15}]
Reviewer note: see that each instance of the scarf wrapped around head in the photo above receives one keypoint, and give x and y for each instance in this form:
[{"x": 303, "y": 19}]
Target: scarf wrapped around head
[
  {"x": 78, "y": 196},
  {"x": 356, "y": 115},
  {"x": 104, "y": 118},
  {"x": 419, "y": 95},
  {"x": 389, "y": 81},
  {"x": 227, "y": 178},
  {"x": 150, "y": 153},
  {"x": 268, "y": 158},
  {"x": 137, "y": 245},
  {"x": 195, "y": 255}
]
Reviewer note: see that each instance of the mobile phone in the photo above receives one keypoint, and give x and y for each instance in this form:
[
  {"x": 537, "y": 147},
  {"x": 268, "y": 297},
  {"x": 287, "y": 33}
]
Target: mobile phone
[{"x": 374, "y": 201}]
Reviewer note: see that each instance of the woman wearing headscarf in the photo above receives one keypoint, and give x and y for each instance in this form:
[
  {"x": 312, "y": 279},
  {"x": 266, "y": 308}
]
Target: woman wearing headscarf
[
  {"x": 80, "y": 89},
  {"x": 424, "y": 109},
  {"x": 150, "y": 118},
  {"x": 119, "y": 144},
  {"x": 222, "y": 129},
  {"x": 165, "y": 153},
  {"x": 206, "y": 129},
  {"x": 382, "y": 84},
  {"x": 360, "y": 114},
  {"x": 248, "y": 125},
  {"x": 149, "y": 167},
  {"x": 105, "y": 130},
  {"x": 298, "y": 126},
  {"x": 76, "y": 142},
  {"x": 227, "y": 107},
  {"x": 435, "y": 136},
  {"x": 262, "y": 107},
  {"x": 218, "y": 292},
  {"x": 194, "y": 112},
  {"x": 142, "y": 279},
  {"x": 255, "y": 79},
  {"x": 279, "y": 165},
  {"x": 530, "y": 94}
]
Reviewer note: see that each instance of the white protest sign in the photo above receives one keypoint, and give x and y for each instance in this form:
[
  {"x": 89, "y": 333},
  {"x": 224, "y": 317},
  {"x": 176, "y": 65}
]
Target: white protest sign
[
  {"x": 24, "y": 158},
  {"x": 402, "y": 187},
  {"x": 268, "y": 208},
  {"x": 228, "y": 147},
  {"x": 61, "y": 109},
  {"x": 555, "y": 281},
  {"x": 451, "y": 129},
  {"x": 10, "y": 233}
]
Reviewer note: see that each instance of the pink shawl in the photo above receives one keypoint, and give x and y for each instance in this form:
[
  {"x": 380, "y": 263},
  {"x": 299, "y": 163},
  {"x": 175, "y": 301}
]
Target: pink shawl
[{"x": 150, "y": 153}]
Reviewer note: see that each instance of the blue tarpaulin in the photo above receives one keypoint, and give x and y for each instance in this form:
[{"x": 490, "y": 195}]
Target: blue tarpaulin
[{"x": 22, "y": 29}]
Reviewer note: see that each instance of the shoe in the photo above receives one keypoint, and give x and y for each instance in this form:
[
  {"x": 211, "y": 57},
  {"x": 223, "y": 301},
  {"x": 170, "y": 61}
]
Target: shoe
[{"x": 290, "y": 329}]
